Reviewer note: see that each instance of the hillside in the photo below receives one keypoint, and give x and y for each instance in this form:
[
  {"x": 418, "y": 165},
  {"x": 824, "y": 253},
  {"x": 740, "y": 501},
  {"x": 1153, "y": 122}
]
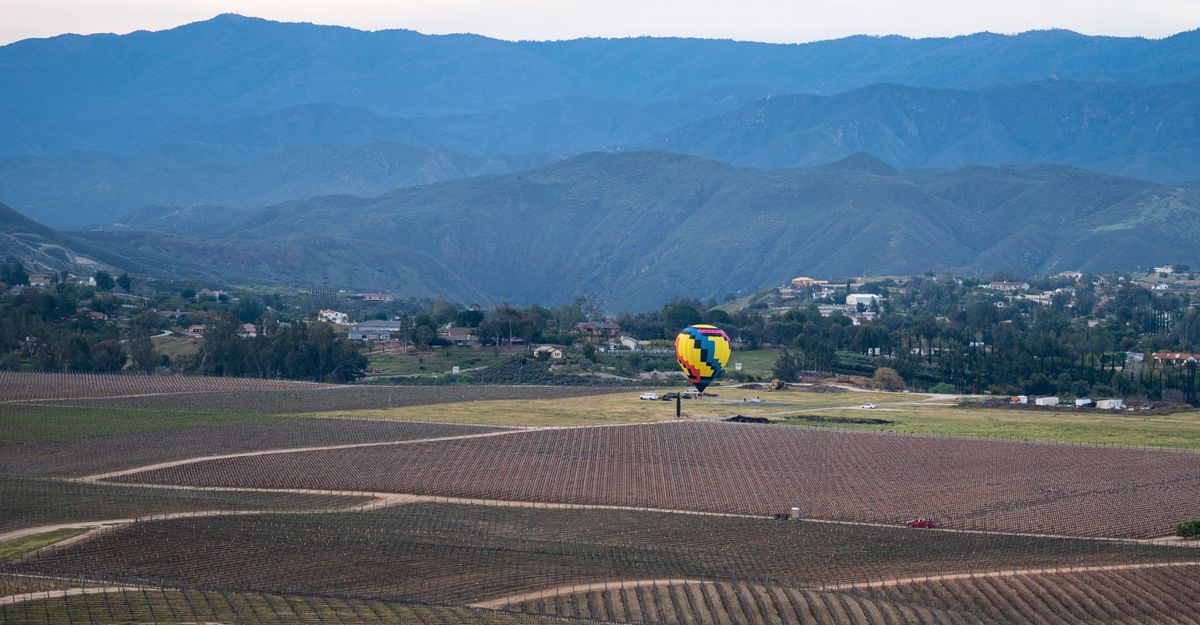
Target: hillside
[
  {"x": 95, "y": 188},
  {"x": 1147, "y": 132},
  {"x": 43, "y": 249},
  {"x": 237, "y": 111},
  {"x": 637, "y": 228}
]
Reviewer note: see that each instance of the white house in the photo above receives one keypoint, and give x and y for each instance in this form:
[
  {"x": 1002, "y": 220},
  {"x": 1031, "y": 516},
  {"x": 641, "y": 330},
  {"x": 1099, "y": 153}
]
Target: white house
[
  {"x": 866, "y": 299},
  {"x": 1167, "y": 269},
  {"x": 333, "y": 316},
  {"x": 548, "y": 352}
]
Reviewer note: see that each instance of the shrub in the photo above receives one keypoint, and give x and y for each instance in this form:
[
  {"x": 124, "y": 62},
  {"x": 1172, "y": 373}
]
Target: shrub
[
  {"x": 1188, "y": 529},
  {"x": 887, "y": 379},
  {"x": 943, "y": 387}
]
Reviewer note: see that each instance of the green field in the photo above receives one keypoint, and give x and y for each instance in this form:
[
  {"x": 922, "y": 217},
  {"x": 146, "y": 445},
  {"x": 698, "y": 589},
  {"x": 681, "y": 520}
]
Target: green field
[
  {"x": 19, "y": 546},
  {"x": 436, "y": 363},
  {"x": 1175, "y": 431},
  {"x": 23, "y": 423},
  {"x": 623, "y": 407}
]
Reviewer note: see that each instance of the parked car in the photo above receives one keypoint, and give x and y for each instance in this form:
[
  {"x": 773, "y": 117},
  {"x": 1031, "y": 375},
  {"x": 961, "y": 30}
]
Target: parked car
[
  {"x": 648, "y": 396},
  {"x": 669, "y": 396},
  {"x": 691, "y": 393},
  {"x": 868, "y": 406},
  {"x": 921, "y": 523}
]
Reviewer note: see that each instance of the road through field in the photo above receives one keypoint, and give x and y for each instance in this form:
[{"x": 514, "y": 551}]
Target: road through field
[
  {"x": 286, "y": 450},
  {"x": 629, "y": 584}
]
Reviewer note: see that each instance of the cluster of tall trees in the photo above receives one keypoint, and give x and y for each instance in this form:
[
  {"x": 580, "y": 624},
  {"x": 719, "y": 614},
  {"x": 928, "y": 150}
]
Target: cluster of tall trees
[{"x": 298, "y": 351}]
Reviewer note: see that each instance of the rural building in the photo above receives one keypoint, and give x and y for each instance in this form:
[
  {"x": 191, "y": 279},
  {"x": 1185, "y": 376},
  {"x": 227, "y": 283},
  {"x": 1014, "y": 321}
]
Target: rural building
[
  {"x": 39, "y": 279},
  {"x": 548, "y": 352},
  {"x": 1046, "y": 401},
  {"x": 459, "y": 336},
  {"x": 196, "y": 329},
  {"x": 248, "y": 330},
  {"x": 866, "y": 299},
  {"x": 172, "y": 314},
  {"x": 805, "y": 282},
  {"x": 204, "y": 294},
  {"x": 1007, "y": 287},
  {"x": 377, "y": 297},
  {"x": 625, "y": 343},
  {"x": 333, "y": 316},
  {"x": 1176, "y": 358},
  {"x": 1111, "y": 404},
  {"x": 1084, "y": 402},
  {"x": 374, "y": 330},
  {"x": 596, "y": 329},
  {"x": 1165, "y": 269}
]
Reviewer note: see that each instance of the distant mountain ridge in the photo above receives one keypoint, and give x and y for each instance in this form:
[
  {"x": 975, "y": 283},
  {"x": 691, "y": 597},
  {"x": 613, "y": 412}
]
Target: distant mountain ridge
[
  {"x": 110, "y": 92},
  {"x": 1147, "y": 132},
  {"x": 237, "y": 111},
  {"x": 639, "y": 227}
]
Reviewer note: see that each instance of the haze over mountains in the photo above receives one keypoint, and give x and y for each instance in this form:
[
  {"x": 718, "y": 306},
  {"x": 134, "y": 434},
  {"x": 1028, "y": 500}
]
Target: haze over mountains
[{"x": 183, "y": 136}]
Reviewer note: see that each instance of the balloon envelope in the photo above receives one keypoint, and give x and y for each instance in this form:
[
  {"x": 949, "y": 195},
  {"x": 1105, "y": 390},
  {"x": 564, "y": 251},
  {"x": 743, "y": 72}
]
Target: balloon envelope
[{"x": 702, "y": 351}]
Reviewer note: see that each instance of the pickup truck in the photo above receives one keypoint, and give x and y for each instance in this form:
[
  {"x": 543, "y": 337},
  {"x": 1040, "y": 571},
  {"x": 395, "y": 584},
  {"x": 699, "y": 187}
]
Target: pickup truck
[{"x": 648, "y": 396}]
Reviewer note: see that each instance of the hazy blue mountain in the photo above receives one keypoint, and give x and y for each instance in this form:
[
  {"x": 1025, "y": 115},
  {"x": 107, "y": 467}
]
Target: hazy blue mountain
[
  {"x": 639, "y": 227},
  {"x": 112, "y": 92},
  {"x": 96, "y": 188},
  {"x": 1149, "y": 132}
]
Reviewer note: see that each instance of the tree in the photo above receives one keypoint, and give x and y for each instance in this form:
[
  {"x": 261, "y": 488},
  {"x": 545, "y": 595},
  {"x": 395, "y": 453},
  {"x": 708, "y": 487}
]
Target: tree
[
  {"x": 786, "y": 367},
  {"x": 124, "y": 282},
  {"x": 141, "y": 352},
  {"x": 887, "y": 379},
  {"x": 104, "y": 282}
]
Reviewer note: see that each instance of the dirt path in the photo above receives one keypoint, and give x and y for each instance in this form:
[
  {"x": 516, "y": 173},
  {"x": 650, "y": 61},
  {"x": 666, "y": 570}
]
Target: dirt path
[
  {"x": 495, "y": 604},
  {"x": 286, "y": 450},
  {"x": 65, "y": 592},
  {"x": 1052, "y": 570}
]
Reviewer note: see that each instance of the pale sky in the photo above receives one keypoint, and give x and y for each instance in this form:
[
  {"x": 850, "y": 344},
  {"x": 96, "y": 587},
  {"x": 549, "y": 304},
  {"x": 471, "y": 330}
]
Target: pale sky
[{"x": 757, "y": 20}]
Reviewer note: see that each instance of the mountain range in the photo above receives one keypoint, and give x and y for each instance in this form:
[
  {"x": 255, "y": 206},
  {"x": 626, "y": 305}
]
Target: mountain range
[
  {"x": 241, "y": 150},
  {"x": 637, "y": 228}
]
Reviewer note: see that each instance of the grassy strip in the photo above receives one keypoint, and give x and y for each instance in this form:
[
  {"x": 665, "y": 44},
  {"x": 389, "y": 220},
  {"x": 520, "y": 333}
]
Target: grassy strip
[
  {"x": 621, "y": 407},
  {"x": 20, "y": 546},
  {"x": 1175, "y": 431},
  {"x": 24, "y": 424}
]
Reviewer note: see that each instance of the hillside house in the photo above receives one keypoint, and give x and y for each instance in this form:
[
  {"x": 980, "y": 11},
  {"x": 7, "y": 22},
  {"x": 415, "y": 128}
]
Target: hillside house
[
  {"x": 459, "y": 336},
  {"x": 196, "y": 330},
  {"x": 625, "y": 342},
  {"x": 866, "y": 299},
  {"x": 1165, "y": 270},
  {"x": 375, "y": 296},
  {"x": 374, "y": 330},
  {"x": 249, "y": 330},
  {"x": 39, "y": 279},
  {"x": 204, "y": 294},
  {"x": 333, "y": 316},
  {"x": 596, "y": 330},
  {"x": 1175, "y": 358},
  {"x": 1007, "y": 287},
  {"x": 805, "y": 282},
  {"x": 548, "y": 352}
]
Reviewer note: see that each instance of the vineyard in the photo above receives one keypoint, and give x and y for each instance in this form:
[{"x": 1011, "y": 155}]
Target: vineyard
[
  {"x": 25, "y": 386},
  {"x": 1117, "y": 597},
  {"x": 32, "y": 502},
  {"x": 734, "y": 468},
  {"x": 456, "y": 554},
  {"x": 119, "y": 606},
  {"x": 145, "y": 437},
  {"x": 212, "y": 501}
]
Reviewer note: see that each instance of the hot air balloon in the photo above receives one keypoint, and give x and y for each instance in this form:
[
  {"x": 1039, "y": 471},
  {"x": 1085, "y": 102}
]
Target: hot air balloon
[{"x": 702, "y": 351}]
